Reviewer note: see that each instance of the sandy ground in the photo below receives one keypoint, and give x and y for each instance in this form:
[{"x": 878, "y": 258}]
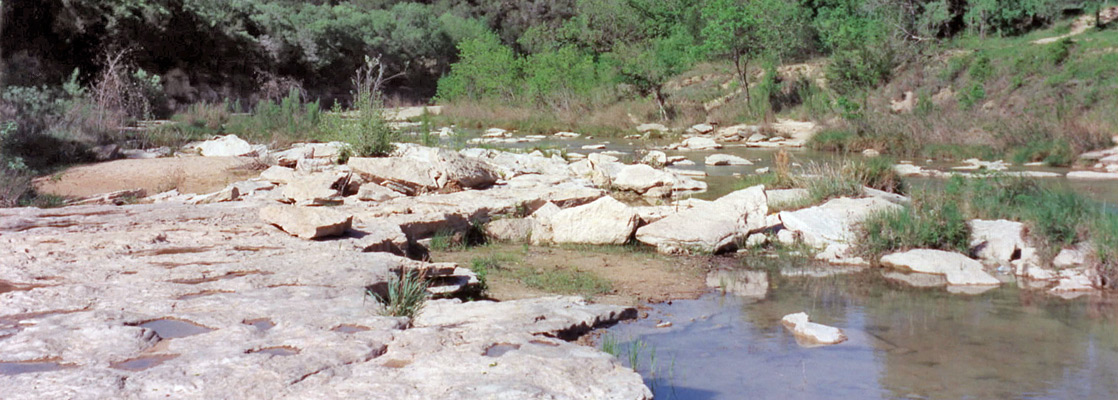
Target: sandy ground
[
  {"x": 636, "y": 276},
  {"x": 187, "y": 174}
]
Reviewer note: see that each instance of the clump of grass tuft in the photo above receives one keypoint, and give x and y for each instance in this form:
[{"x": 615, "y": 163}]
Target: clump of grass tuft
[
  {"x": 564, "y": 281},
  {"x": 931, "y": 222},
  {"x": 404, "y": 295},
  {"x": 610, "y": 345},
  {"x": 1105, "y": 238}
]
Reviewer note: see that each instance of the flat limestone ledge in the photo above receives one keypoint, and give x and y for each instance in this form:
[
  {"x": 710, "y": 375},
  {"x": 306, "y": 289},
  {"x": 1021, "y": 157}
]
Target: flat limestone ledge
[{"x": 269, "y": 315}]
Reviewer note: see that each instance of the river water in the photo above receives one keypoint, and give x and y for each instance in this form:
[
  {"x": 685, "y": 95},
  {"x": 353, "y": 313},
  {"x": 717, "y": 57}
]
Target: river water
[{"x": 1006, "y": 343}]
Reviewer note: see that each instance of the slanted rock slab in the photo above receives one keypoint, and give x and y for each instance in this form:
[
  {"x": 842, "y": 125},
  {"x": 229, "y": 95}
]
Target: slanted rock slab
[
  {"x": 709, "y": 227},
  {"x": 810, "y": 334},
  {"x": 957, "y": 268},
  {"x": 307, "y": 222}
]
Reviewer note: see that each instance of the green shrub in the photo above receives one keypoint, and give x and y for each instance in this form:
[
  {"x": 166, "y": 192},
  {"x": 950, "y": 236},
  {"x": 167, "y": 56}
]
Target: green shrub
[
  {"x": 930, "y": 222},
  {"x": 876, "y": 173},
  {"x": 1059, "y": 51},
  {"x": 980, "y": 69},
  {"x": 403, "y": 296},
  {"x": 1105, "y": 238},
  {"x": 840, "y": 141},
  {"x": 486, "y": 69},
  {"x": 972, "y": 95},
  {"x": 1056, "y": 153}
]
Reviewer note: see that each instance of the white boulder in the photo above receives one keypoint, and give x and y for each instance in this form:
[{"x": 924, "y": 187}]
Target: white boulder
[
  {"x": 958, "y": 269},
  {"x": 810, "y": 334}
]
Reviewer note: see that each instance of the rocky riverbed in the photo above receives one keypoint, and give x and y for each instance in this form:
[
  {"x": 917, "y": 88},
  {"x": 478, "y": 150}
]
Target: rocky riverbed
[{"x": 259, "y": 288}]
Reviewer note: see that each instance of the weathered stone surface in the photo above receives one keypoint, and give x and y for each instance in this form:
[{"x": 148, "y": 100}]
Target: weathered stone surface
[
  {"x": 831, "y": 227},
  {"x": 510, "y": 229},
  {"x": 699, "y": 143},
  {"x": 642, "y": 128},
  {"x": 655, "y": 158},
  {"x": 314, "y": 189},
  {"x": 378, "y": 237},
  {"x": 300, "y": 151},
  {"x": 279, "y": 175},
  {"x": 810, "y": 334},
  {"x": 744, "y": 283},
  {"x": 229, "y": 193},
  {"x": 703, "y": 128},
  {"x": 1092, "y": 175},
  {"x": 997, "y": 242},
  {"x": 640, "y": 178},
  {"x": 422, "y": 216},
  {"x": 422, "y": 169},
  {"x": 604, "y": 221},
  {"x": 257, "y": 290},
  {"x": 1072, "y": 257},
  {"x": 375, "y": 192},
  {"x": 726, "y": 159},
  {"x": 307, "y": 222},
  {"x": 958, "y": 269},
  {"x": 225, "y": 146},
  {"x": 709, "y": 227}
]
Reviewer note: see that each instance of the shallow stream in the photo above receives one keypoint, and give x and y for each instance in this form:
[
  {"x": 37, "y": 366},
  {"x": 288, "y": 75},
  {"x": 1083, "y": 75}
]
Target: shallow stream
[{"x": 903, "y": 343}]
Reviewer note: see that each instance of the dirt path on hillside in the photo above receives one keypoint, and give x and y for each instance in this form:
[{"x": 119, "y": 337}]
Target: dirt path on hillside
[
  {"x": 187, "y": 174},
  {"x": 636, "y": 276},
  {"x": 1082, "y": 24}
]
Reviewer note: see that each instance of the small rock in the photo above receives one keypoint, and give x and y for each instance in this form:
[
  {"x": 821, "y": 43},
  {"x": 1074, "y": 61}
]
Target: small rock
[
  {"x": 726, "y": 159},
  {"x": 307, "y": 222},
  {"x": 225, "y": 146},
  {"x": 870, "y": 153},
  {"x": 643, "y": 128},
  {"x": 655, "y": 158},
  {"x": 664, "y": 324},
  {"x": 810, "y": 334},
  {"x": 702, "y": 128}
]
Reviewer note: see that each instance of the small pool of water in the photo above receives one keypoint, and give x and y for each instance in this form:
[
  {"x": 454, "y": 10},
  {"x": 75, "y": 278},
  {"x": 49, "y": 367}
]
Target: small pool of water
[
  {"x": 142, "y": 363},
  {"x": 904, "y": 343},
  {"x": 170, "y": 328},
  {"x": 15, "y": 368}
]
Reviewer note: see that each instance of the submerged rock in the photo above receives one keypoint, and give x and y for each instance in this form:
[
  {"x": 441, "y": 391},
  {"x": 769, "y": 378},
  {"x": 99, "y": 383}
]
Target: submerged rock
[
  {"x": 958, "y": 269},
  {"x": 810, "y": 334},
  {"x": 726, "y": 159},
  {"x": 744, "y": 283}
]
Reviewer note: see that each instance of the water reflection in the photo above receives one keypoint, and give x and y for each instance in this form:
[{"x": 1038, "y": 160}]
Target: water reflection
[{"x": 904, "y": 343}]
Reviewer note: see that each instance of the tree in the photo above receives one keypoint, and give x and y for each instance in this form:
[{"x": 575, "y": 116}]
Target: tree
[
  {"x": 648, "y": 65},
  {"x": 742, "y": 30}
]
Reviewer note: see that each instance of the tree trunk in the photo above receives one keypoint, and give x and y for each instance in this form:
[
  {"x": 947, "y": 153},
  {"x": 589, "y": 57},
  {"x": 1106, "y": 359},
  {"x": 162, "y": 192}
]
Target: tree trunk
[
  {"x": 742, "y": 66},
  {"x": 1098, "y": 14},
  {"x": 658, "y": 94}
]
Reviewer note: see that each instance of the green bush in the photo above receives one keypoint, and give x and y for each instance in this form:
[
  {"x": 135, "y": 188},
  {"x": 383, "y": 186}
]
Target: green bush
[
  {"x": 930, "y": 222},
  {"x": 1059, "y": 51},
  {"x": 486, "y": 69},
  {"x": 840, "y": 141},
  {"x": 1056, "y": 153},
  {"x": 980, "y": 69}
]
